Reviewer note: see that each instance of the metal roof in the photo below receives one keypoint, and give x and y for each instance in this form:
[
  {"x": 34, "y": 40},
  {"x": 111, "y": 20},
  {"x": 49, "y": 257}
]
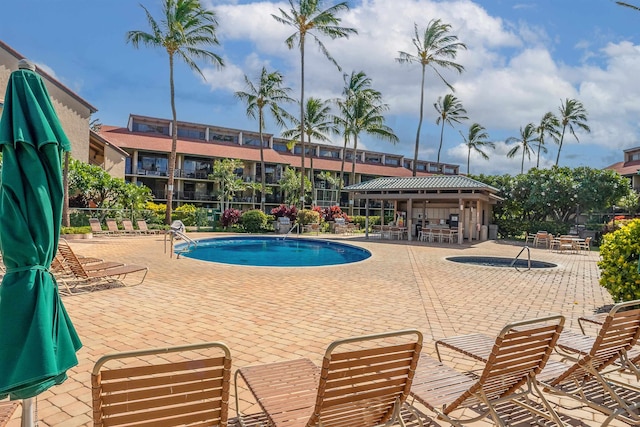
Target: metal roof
[{"x": 434, "y": 182}]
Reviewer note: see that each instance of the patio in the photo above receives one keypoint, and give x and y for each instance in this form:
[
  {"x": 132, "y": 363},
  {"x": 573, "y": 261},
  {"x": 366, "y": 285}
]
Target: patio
[{"x": 269, "y": 314}]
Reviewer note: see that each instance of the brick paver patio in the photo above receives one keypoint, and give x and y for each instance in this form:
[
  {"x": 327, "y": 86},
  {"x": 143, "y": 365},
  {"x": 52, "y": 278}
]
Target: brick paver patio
[{"x": 269, "y": 314}]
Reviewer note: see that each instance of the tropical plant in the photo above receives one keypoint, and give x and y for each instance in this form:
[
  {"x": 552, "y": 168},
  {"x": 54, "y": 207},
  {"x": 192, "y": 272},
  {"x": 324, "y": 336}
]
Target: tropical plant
[
  {"x": 254, "y": 221},
  {"x": 572, "y": 113},
  {"x": 267, "y": 92},
  {"x": 450, "y": 111},
  {"x": 289, "y": 184},
  {"x": 257, "y": 186},
  {"x": 476, "y": 141},
  {"x": 185, "y": 28},
  {"x": 284, "y": 211},
  {"x": 436, "y": 48},
  {"x": 224, "y": 174},
  {"x": 318, "y": 123},
  {"x": 333, "y": 181},
  {"x": 308, "y": 216},
  {"x": 357, "y": 85},
  {"x": 186, "y": 213},
  {"x": 333, "y": 212},
  {"x": 549, "y": 125},
  {"x": 619, "y": 262},
  {"x": 307, "y": 18},
  {"x": 629, "y": 5},
  {"x": 524, "y": 142},
  {"x": 230, "y": 217}
]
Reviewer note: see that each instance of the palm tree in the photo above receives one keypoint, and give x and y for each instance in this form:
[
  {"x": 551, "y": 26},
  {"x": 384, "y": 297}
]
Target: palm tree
[
  {"x": 450, "y": 111},
  {"x": 572, "y": 113},
  {"x": 185, "y": 27},
  {"x": 548, "y": 126},
  {"x": 477, "y": 140},
  {"x": 318, "y": 122},
  {"x": 625, "y": 4},
  {"x": 356, "y": 85},
  {"x": 436, "y": 48},
  {"x": 267, "y": 92},
  {"x": 367, "y": 116},
  {"x": 307, "y": 19},
  {"x": 525, "y": 141}
]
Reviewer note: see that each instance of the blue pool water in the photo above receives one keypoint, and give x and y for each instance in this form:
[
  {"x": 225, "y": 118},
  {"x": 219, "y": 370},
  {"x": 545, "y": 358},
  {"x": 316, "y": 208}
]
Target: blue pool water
[{"x": 275, "y": 252}]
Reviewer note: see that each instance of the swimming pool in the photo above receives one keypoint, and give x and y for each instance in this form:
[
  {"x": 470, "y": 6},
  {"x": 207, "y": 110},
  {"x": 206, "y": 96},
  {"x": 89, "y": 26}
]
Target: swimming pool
[
  {"x": 490, "y": 261},
  {"x": 275, "y": 252}
]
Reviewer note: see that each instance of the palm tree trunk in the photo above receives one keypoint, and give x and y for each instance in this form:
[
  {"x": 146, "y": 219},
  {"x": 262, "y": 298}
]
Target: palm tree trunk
[
  {"x": 540, "y": 144},
  {"x": 262, "y": 171},
  {"x": 344, "y": 155},
  {"x": 522, "y": 164},
  {"x": 468, "y": 158},
  {"x": 313, "y": 181},
  {"x": 415, "y": 154},
  {"x": 174, "y": 144},
  {"x": 560, "y": 144},
  {"x": 440, "y": 147},
  {"x": 353, "y": 169},
  {"x": 302, "y": 171}
]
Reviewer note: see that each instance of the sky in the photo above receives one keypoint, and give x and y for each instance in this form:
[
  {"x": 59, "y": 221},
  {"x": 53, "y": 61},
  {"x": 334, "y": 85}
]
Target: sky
[{"x": 523, "y": 58}]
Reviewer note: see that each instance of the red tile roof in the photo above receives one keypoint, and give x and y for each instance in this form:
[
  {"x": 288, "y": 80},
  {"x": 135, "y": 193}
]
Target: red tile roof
[
  {"x": 626, "y": 168},
  {"x": 123, "y": 138}
]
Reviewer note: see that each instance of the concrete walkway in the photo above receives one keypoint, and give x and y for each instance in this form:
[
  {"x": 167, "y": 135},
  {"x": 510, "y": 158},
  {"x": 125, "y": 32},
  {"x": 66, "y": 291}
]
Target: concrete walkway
[{"x": 270, "y": 314}]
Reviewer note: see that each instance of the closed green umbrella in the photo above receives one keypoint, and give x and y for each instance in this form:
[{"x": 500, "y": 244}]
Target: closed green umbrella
[{"x": 37, "y": 340}]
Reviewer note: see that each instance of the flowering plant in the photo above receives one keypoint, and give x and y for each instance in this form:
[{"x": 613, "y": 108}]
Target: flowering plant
[
  {"x": 290, "y": 212},
  {"x": 230, "y": 217},
  {"x": 333, "y": 212}
]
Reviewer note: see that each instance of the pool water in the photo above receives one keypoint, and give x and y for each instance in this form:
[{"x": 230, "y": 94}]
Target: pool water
[
  {"x": 489, "y": 261},
  {"x": 275, "y": 252}
]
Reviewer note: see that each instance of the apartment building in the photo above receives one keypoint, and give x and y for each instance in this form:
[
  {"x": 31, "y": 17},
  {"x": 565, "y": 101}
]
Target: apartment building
[
  {"x": 630, "y": 167},
  {"x": 147, "y": 141}
]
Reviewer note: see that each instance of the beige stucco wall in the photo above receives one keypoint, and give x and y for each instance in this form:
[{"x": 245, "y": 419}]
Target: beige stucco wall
[
  {"x": 73, "y": 114},
  {"x": 114, "y": 162}
]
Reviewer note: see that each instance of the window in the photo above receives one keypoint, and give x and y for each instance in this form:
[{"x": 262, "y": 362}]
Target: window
[
  {"x": 197, "y": 168},
  {"x": 324, "y": 152},
  {"x": 254, "y": 142},
  {"x": 634, "y": 157},
  {"x": 373, "y": 159},
  {"x": 223, "y": 138},
  {"x": 190, "y": 133},
  {"x": 152, "y": 165},
  {"x": 281, "y": 147},
  {"x": 162, "y": 129},
  {"x": 392, "y": 161}
]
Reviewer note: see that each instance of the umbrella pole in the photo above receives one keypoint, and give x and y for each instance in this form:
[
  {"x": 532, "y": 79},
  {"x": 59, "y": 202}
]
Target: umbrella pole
[{"x": 29, "y": 412}]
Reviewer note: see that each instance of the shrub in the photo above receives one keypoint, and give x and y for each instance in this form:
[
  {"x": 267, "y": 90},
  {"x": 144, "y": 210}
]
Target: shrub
[
  {"x": 307, "y": 216},
  {"x": 185, "y": 213},
  {"x": 254, "y": 221},
  {"x": 75, "y": 230},
  {"x": 333, "y": 212},
  {"x": 290, "y": 212},
  {"x": 230, "y": 217},
  {"x": 619, "y": 262},
  {"x": 361, "y": 221},
  {"x": 156, "y": 212}
]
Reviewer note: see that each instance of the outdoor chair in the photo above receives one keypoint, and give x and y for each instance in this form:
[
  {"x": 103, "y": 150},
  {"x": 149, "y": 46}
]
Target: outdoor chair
[
  {"x": 542, "y": 238},
  {"x": 529, "y": 238},
  {"x": 75, "y": 274},
  {"x": 7, "y": 408},
  {"x": 96, "y": 228},
  {"x": 363, "y": 381},
  {"x": 585, "y": 377},
  {"x": 89, "y": 263},
  {"x": 186, "y": 385},
  {"x": 584, "y": 245},
  {"x": 112, "y": 226},
  {"x": 511, "y": 363},
  {"x": 143, "y": 227},
  {"x": 127, "y": 225}
]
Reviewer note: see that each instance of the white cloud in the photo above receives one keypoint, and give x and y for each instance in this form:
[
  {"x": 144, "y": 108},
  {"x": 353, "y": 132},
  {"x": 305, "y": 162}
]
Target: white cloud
[{"x": 512, "y": 76}]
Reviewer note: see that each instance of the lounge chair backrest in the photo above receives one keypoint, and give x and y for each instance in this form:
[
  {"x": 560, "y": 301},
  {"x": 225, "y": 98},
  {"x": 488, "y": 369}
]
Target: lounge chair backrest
[
  {"x": 520, "y": 352},
  {"x": 71, "y": 261},
  {"x": 339, "y": 221},
  {"x": 142, "y": 225},
  {"x": 363, "y": 387},
  {"x": 112, "y": 225},
  {"x": 95, "y": 225},
  {"x": 284, "y": 220},
  {"x": 619, "y": 332},
  {"x": 127, "y": 225},
  {"x": 191, "y": 390}
]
